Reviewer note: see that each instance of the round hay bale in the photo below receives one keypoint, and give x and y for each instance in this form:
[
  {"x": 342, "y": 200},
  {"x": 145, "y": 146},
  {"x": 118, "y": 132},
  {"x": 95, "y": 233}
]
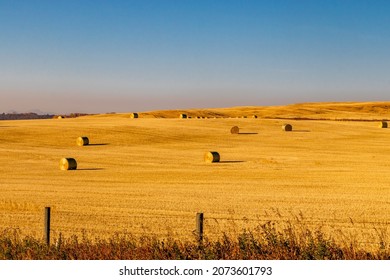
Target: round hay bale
[
  {"x": 82, "y": 141},
  {"x": 60, "y": 117},
  {"x": 183, "y": 116},
  {"x": 211, "y": 157},
  {"x": 287, "y": 127},
  {"x": 134, "y": 115},
  {"x": 234, "y": 130},
  {"x": 68, "y": 164},
  {"x": 383, "y": 124},
  {"x": 254, "y": 117},
  {"x": 198, "y": 117}
]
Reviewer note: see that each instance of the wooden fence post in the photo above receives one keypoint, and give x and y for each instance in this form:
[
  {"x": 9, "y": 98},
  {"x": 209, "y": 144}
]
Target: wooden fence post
[
  {"x": 199, "y": 226},
  {"x": 46, "y": 233}
]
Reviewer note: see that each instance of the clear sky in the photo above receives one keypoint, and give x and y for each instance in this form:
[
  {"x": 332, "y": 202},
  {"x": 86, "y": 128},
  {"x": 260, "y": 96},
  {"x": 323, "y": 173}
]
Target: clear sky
[{"x": 138, "y": 55}]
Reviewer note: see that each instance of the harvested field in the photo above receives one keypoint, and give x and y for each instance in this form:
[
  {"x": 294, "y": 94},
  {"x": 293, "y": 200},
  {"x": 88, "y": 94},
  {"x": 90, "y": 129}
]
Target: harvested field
[{"x": 150, "y": 177}]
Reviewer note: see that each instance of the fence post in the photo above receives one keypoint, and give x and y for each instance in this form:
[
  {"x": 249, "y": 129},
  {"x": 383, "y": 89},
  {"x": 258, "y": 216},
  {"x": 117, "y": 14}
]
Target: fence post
[
  {"x": 46, "y": 233},
  {"x": 199, "y": 226}
]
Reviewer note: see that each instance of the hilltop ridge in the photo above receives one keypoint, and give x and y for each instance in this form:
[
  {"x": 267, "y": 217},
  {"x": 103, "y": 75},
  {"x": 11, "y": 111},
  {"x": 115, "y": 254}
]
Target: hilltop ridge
[
  {"x": 364, "y": 111},
  {"x": 345, "y": 111}
]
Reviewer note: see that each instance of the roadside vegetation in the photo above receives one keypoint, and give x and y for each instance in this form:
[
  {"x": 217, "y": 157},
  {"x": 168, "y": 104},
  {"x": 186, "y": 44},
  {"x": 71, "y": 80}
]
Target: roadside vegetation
[{"x": 266, "y": 242}]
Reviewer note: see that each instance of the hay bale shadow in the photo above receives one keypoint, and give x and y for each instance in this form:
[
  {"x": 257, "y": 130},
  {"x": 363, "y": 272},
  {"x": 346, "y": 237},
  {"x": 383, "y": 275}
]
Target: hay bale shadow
[
  {"x": 248, "y": 133},
  {"x": 90, "y": 169},
  {"x": 230, "y": 161}
]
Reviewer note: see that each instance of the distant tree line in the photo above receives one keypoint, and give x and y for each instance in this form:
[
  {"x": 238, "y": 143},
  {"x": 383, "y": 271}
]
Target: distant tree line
[
  {"x": 23, "y": 116},
  {"x": 31, "y": 116}
]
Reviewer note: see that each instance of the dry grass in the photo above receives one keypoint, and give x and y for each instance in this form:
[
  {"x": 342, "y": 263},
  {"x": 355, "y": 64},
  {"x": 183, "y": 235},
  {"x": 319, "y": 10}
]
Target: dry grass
[
  {"x": 147, "y": 175},
  {"x": 294, "y": 241}
]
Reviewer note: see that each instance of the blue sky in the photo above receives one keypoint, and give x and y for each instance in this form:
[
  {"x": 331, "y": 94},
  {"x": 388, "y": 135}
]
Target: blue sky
[{"x": 124, "y": 56}]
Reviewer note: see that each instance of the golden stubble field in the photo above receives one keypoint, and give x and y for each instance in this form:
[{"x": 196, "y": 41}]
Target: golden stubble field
[{"x": 147, "y": 176}]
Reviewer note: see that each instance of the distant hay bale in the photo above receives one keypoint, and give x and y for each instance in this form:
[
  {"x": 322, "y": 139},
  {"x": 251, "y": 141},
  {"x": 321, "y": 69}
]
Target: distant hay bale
[
  {"x": 198, "y": 117},
  {"x": 60, "y": 117},
  {"x": 134, "y": 115},
  {"x": 211, "y": 157},
  {"x": 287, "y": 127},
  {"x": 383, "y": 124},
  {"x": 254, "y": 117},
  {"x": 234, "y": 130},
  {"x": 183, "y": 116},
  {"x": 82, "y": 141},
  {"x": 68, "y": 164}
]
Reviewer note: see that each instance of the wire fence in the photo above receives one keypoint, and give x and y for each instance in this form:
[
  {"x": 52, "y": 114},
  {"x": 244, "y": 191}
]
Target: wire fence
[{"x": 370, "y": 234}]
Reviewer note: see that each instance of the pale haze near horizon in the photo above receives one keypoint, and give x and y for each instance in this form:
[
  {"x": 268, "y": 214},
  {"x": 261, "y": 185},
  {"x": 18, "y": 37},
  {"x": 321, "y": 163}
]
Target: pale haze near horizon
[{"x": 123, "y": 56}]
